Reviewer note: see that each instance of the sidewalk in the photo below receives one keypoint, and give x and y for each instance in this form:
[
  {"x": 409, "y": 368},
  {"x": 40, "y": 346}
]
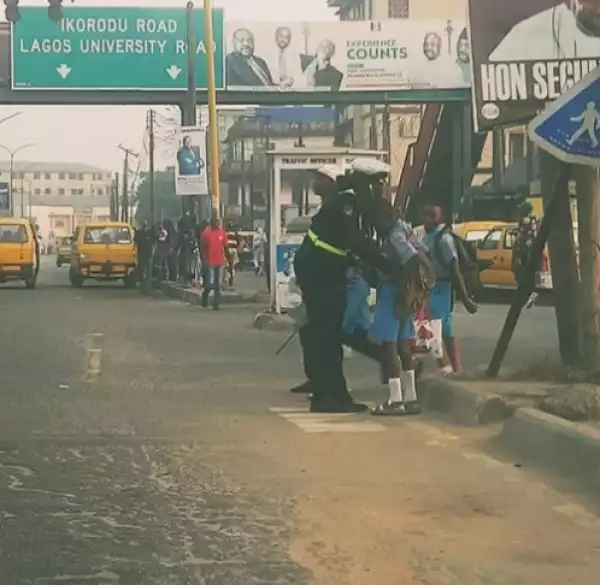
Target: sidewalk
[
  {"x": 534, "y": 416},
  {"x": 248, "y": 289}
]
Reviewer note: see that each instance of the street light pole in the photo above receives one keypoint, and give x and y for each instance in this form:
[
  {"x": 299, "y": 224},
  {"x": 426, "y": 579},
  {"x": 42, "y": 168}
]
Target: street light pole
[
  {"x": 12, "y": 154},
  {"x": 7, "y": 118},
  {"x": 213, "y": 126}
]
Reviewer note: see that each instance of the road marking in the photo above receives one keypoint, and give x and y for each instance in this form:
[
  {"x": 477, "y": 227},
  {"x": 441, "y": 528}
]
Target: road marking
[
  {"x": 312, "y": 423},
  {"x": 93, "y": 356}
]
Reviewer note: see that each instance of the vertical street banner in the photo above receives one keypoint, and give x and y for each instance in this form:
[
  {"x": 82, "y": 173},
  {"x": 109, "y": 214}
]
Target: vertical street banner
[
  {"x": 191, "y": 168},
  {"x": 527, "y": 53},
  {"x": 393, "y": 54},
  {"x": 4, "y": 199}
]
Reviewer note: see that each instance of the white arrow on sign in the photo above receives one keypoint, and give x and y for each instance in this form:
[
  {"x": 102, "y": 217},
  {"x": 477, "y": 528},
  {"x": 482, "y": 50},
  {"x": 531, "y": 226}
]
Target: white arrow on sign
[
  {"x": 173, "y": 72},
  {"x": 64, "y": 71}
]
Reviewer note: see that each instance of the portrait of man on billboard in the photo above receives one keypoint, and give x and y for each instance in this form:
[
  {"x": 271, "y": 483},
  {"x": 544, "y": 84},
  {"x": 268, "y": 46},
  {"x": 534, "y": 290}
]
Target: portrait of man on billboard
[
  {"x": 189, "y": 161},
  {"x": 288, "y": 69},
  {"x": 570, "y": 30},
  {"x": 242, "y": 66},
  {"x": 432, "y": 46},
  {"x": 319, "y": 70}
]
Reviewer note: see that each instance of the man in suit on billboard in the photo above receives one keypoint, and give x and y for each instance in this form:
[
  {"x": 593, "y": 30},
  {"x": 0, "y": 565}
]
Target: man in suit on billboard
[{"x": 243, "y": 67}]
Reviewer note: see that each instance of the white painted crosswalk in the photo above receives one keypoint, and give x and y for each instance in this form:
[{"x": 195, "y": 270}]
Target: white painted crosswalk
[{"x": 312, "y": 423}]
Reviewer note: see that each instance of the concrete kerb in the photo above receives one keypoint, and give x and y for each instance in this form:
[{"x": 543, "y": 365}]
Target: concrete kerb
[
  {"x": 267, "y": 321},
  {"x": 193, "y": 296},
  {"x": 462, "y": 405},
  {"x": 570, "y": 449}
]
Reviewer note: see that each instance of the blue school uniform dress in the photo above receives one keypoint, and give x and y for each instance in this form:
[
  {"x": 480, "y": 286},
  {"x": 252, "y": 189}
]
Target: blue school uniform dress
[
  {"x": 402, "y": 245},
  {"x": 442, "y": 251}
]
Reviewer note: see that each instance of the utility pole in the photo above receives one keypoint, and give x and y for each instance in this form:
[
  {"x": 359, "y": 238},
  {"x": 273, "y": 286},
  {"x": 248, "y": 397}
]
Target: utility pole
[
  {"x": 387, "y": 141},
  {"x": 563, "y": 260},
  {"x": 588, "y": 213},
  {"x": 151, "y": 163},
  {"x": 116, "y": 195},
  {"x": 125, "y": 202},
  {"x": 188, "y": 109},
  {"x": 213, "y": 125},
  {"x": 373, "y": 138}
]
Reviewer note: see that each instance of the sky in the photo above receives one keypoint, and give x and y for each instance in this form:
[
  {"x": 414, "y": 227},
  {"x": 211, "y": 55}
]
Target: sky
[{"x": 92, "y": 134}]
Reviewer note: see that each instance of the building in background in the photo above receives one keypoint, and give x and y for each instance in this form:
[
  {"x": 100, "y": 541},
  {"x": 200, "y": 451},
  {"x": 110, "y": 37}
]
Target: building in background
[
  {"x": 57, "y": 216},
  {"x": 57, "y": 196},
  {"x": 244, "y": 164},
  {"x": 60, "y": 179}
]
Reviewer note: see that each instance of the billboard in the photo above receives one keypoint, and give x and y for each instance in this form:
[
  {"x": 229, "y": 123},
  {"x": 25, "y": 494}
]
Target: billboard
[
  {"x": 394, "y": 54},
  {"x": 527, "y": 53},
  {"x": 191, "y": 167}
]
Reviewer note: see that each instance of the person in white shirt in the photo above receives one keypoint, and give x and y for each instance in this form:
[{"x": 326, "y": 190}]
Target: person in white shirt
[
  {"x": 258, "y": 251},
  {"x": 288, "y": 68},
  {"x": 570, "y": 30}
]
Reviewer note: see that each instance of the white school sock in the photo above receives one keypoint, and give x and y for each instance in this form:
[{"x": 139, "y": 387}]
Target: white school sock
[
  {"x": 437, "y": 344},
  {"x": 409, "y": 386},
  {"x": 395, "y": 387}
]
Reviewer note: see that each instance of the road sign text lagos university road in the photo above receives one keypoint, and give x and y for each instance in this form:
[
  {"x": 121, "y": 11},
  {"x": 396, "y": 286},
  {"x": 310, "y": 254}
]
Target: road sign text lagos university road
[
  {"x": 113, "y": 48},
  {"x": 569, "y": 128}
]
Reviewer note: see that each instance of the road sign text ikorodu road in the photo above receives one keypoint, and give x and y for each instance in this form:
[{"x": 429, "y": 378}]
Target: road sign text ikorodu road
[{"x": 110, "y": 49}]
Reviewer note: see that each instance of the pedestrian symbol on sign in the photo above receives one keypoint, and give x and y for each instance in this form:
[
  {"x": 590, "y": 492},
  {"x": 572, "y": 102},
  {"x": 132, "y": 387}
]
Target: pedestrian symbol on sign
[
  {"x": 569, "y": 128},
  {"x": 590, "y": 121}
]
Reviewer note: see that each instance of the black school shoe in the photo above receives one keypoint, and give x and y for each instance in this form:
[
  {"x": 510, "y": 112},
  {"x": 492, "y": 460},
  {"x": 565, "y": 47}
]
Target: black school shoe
[{"x": 337, "y": 406}]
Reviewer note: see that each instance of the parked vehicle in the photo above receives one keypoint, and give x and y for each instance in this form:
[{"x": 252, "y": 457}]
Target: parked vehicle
[
  {"x": 497, "y": 247},
  {"x": 19, "y": 252}
]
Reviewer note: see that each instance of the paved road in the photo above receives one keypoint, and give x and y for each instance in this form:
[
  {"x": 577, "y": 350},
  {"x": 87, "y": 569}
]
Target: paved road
[{"x": 146, "y": 442}]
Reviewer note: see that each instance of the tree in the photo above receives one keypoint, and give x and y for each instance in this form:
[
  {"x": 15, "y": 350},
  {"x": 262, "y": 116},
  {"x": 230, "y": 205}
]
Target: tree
[{"x": 166, "y": 204}]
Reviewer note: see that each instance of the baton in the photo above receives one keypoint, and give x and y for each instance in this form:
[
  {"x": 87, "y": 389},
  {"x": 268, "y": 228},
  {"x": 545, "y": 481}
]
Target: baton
[{"x": 287, "y": 341}]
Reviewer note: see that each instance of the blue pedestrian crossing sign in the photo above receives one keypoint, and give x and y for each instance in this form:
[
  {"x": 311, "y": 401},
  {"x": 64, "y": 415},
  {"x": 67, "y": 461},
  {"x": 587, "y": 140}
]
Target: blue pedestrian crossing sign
[{"x": 569, "y": 128}]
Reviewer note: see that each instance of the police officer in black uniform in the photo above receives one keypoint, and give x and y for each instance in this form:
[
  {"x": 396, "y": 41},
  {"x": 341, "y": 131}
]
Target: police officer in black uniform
[{"x": 320, "y": 265}]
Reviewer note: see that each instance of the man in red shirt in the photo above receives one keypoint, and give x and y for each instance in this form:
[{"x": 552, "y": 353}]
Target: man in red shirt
[{"x": 214, "y": 255}]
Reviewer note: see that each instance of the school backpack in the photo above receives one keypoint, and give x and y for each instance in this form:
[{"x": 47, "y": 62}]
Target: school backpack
[{"x": 467, "y": 259}]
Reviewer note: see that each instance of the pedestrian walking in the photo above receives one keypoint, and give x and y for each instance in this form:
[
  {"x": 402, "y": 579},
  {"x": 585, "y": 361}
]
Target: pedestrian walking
[
  {"x": 259, "y": 241},
  {"x": 161, "y": 255},
  {"x": 214, "y": 253},
  {"x": 448, "y": 282},
  {"x": 144, "y": 242},
  {"x": 172, "y": 246}
]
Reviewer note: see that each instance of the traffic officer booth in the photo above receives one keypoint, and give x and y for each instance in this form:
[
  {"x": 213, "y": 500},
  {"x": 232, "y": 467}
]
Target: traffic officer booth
[{"x": 305, "y": 159}]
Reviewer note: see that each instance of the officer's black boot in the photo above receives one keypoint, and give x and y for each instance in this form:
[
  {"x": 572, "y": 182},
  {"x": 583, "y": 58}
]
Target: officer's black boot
[
  {"x": 328, "y": 405},
  {"x": 304, "y": 388},
  {"x": 360, "y": 342}
]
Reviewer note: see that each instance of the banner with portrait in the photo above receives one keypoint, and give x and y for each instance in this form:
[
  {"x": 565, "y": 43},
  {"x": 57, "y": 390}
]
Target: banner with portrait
[
  {"x": 191, "y": 167},
  {"x": 527, "y": 53},
  {"x": 394, "y": 54}
]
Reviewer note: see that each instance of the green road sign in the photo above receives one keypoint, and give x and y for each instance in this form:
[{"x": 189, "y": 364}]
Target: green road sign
[{"x": 110, "y": 49}]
